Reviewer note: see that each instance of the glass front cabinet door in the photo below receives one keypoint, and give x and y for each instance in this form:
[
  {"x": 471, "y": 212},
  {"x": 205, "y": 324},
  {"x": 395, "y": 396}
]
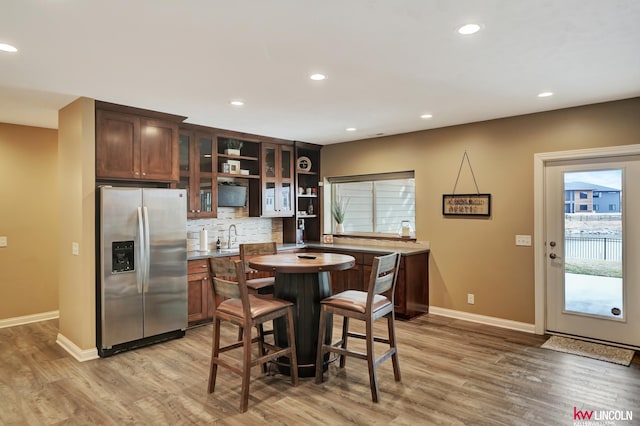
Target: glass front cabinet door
[
  {"x": 197, "y": 173},
  {"x": 277, "y": 180}
]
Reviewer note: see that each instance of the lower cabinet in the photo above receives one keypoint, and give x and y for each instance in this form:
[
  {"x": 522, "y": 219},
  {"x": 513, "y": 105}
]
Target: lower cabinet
[
  {"x": 412, "y": 287},
  {"x": 200, "y": 304}
]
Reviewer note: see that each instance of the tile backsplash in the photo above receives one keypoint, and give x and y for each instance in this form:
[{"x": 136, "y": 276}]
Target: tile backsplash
[{"x": 250, "y": 229}]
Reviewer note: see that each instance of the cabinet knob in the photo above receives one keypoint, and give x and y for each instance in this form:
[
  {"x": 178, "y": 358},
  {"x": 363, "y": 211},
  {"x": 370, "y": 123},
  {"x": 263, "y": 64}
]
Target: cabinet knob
[
  {"x": 197, "y": 211},
  {"x": 137, "y": 173},
  {"x": 203, "y": 266},
  {"x": 144, "y": 174}
]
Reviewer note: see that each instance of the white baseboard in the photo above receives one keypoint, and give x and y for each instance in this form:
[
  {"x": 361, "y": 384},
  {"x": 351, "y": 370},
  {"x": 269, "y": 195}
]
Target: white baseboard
[
  {"x": 482, "y": 319},
  {"x": 27, "y": 319},
  {"x": 79, "y": 354}
]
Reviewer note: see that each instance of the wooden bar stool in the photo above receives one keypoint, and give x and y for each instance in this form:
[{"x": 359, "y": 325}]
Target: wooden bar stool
[
  {"x": 367, "y": 306},
  {"x": 246, "y": 311}
]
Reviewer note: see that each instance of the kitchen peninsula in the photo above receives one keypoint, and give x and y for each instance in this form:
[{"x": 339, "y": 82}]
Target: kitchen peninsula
[{"x": 412, "y": 288}]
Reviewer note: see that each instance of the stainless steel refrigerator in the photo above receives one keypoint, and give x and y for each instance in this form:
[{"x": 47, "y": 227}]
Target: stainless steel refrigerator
[{"x": 142, "y": 273}]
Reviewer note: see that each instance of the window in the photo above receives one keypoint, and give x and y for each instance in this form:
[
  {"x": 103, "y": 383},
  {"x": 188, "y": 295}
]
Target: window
[
  {"x": 596, "y": 194},
  {"x": 612, "y": 208},
  {"x": 584, "y": 208},
  {"x": 584, "y": 195},
  {"x": 375, "y": 203}
]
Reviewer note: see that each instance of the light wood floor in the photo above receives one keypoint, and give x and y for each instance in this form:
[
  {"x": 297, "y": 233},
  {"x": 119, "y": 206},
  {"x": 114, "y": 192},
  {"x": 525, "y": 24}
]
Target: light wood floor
[{"x": 454, "y": 372}]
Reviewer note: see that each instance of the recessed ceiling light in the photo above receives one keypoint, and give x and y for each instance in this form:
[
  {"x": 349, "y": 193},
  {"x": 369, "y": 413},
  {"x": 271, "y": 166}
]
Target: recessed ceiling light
[
  {"x": 426, "y": 116},
  {"x": 351, "y": 129},
  {"x": 317, "y": 77},
  {"x": 469, "y": 29},
  {"x": 237, "y": 103},
  {"x": 7, "y": 48},
  {"x": 545, "y": 94}
]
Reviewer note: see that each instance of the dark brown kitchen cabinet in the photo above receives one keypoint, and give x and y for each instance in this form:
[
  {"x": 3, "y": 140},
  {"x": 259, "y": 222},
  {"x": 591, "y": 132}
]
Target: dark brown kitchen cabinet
[
  {"x": 277, "y": 180},
  {"x": 136, "y": 147},
  {"x": 198, "y": 174},
  {"x": 200, "y": 304},
  {"x": 412, "y": 287}
]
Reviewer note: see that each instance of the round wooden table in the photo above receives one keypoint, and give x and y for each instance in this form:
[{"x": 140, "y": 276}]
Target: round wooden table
[{"x": 302, "y": 278}]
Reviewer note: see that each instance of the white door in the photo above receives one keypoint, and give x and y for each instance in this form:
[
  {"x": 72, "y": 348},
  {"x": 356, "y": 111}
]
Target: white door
[{"x": 592, "y": 247}]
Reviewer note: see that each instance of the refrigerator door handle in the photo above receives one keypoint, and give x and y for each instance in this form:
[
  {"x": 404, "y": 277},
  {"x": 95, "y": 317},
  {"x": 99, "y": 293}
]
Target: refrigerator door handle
[
  {"x": 139, "y": 269},
  {"x": 147, "y": 250}
]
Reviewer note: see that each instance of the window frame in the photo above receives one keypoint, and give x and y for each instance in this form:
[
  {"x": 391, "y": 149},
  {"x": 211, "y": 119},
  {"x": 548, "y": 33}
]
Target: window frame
[{"x": 329, "y": 182}]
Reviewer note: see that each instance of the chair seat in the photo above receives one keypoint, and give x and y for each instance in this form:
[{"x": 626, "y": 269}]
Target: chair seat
[
  {"x": 260, "y": 283},
  {"x": 356, "y": 301},
  {"x": 259, "y": 306}
]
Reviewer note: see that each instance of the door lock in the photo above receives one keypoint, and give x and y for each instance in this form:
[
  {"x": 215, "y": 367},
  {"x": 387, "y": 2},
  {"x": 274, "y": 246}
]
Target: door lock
[{"x": 554, "y": 256}]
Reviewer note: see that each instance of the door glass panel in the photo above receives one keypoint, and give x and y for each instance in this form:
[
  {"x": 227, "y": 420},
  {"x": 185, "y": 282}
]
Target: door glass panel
[
  {"x": 206, "y": 152},
  {"x": 593, "y": 243},
  {"x": 270, "y": 162},
  {"x": 285, "y": 197},
  {"x": 206, "y": 203},
  {"x": 286, "y": 164},
  {"x": 184, "y": 153},
  {"x": 270, "y": 197}
]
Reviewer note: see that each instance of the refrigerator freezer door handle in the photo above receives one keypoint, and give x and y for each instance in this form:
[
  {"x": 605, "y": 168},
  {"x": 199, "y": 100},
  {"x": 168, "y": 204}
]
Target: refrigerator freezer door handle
[
  {"x": 139, "y": 269},
  {"x": 147, "y": 250}
]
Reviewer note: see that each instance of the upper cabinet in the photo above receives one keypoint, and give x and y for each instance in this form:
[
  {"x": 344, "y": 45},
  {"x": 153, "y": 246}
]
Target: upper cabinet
[
  {"x": 277, "y": 180},
  {"x": 134, "y": 144},
  {"x": 198, "y": 175}
]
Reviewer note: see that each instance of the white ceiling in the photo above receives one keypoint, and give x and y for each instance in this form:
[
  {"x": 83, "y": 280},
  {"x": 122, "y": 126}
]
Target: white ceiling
[{"x": 387, "y": 61}]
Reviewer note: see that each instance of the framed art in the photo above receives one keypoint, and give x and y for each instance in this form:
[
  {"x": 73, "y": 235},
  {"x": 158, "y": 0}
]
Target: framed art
[{"x": 466, "y": 205}]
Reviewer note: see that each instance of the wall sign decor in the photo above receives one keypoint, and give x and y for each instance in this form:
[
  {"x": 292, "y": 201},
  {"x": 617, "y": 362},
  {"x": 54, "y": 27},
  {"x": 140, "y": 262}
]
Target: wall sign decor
[{"x": 466, "y": 204}]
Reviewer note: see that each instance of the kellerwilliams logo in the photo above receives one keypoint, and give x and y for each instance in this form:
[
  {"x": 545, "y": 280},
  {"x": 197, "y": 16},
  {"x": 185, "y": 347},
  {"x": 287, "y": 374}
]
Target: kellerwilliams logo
[{"x": 601, "y": 417}]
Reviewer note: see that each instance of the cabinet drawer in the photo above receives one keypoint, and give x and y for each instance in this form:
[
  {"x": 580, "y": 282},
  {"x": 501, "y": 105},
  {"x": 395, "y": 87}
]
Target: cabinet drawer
[{"x": 198, "y": 266}]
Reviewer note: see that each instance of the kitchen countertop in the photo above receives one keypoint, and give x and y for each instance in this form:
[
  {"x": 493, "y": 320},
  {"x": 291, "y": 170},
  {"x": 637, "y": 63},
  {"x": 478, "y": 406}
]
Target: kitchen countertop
[{"x": 404, "y": 251}]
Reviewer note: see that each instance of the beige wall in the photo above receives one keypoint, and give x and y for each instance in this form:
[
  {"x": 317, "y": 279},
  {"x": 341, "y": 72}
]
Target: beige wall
[
  {"x": 28, "y": 217},
  {"x": 479, "y": 255},
  {"x": 76, "y": 171}
]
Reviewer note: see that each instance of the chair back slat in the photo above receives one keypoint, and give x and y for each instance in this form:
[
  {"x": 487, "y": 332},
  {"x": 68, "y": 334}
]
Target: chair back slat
[
  {"x": 228, "y": 279},
  {"x": 250, "y": 250},
  {"x": 384, "y": 274},
  {"x": 222, "y": 268},
  {"x": 257, "y": 249},
  {"x": 384, "y": 283},
  {"x": 225, "y": 288}
]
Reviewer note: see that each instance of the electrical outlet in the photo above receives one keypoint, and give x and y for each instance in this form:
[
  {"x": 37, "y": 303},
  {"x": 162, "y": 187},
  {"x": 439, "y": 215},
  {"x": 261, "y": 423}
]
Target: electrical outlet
[
  {"x": 75, "y": 249},
  {"x": 471, "y": 299},
  {"x": 523, "y": 240},
  {"x": 3, "y": 242}
]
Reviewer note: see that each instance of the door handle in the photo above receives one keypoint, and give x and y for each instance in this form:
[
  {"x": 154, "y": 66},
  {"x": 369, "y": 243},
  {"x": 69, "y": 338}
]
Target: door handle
[
  {"x": 147, "y": 251},
  {"x": 141, "y": 252},
  {"x": 554, "y": 256}
]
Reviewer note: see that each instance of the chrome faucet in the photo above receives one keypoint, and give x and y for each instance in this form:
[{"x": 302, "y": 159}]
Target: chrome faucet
[{"x": 235, "y": 240}]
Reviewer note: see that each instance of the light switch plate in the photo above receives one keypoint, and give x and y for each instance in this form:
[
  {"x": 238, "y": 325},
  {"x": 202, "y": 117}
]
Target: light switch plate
[
  {"x": 523, "y": 240},
  {"x": 75, "y": 249},
  {"x": 3, "y": 242}
]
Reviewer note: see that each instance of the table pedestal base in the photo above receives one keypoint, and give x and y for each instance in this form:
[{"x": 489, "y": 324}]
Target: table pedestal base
[{"x": 305, "y": 290}]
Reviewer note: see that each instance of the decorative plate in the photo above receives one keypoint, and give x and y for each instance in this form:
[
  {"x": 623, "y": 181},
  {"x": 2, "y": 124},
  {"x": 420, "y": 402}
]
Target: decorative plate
[{"x": 304, "y": 164}]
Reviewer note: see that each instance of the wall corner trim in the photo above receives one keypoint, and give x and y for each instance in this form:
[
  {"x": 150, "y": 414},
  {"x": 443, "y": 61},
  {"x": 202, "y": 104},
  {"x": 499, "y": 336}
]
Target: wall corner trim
[
  {"x": 483, "y": 319},
  {"x": 79, "y": 354},
  {"x": 28, "y": 319}
]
